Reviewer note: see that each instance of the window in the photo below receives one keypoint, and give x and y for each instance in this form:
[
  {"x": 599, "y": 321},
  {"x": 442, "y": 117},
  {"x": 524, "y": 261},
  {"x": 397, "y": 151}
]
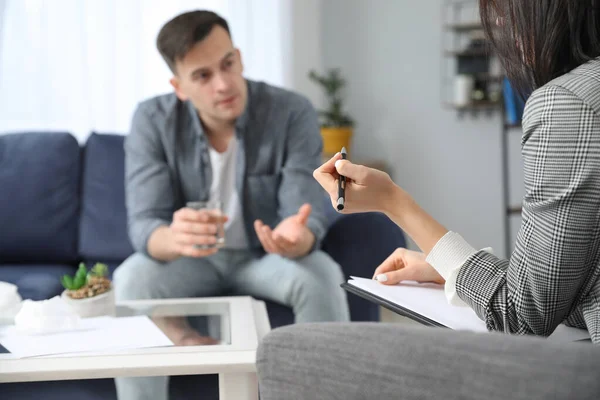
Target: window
[{"x": 83, "y": 65}]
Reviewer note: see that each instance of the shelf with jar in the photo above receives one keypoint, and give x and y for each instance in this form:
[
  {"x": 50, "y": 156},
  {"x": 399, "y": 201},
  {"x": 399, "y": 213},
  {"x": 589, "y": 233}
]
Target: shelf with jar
[{"x": 471, "y": 73}]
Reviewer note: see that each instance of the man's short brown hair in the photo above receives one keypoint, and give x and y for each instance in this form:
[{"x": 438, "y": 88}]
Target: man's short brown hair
[{"x": 181, "y": 33}]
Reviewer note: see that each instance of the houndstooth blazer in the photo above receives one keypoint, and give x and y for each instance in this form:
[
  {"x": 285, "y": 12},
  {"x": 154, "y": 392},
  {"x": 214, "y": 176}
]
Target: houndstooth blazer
[{"x": 552, "y": 275}]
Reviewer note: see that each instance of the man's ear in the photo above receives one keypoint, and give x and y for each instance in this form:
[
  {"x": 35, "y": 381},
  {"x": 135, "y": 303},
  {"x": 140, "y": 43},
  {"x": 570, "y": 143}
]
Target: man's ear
[{"x": 176, "y": 83}]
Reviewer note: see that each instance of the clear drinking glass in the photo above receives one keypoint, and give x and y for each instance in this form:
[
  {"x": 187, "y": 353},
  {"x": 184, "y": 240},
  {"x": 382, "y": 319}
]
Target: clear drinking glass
[{"x": 214, "y": 207}]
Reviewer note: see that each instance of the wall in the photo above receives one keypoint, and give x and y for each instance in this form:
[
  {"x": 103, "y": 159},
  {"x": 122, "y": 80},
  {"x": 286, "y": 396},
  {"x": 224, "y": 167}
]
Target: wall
[
  {"x": 306, "y": 48},
  {"x": 2, "y": 10},
  {"x": 391, "y": 54}
]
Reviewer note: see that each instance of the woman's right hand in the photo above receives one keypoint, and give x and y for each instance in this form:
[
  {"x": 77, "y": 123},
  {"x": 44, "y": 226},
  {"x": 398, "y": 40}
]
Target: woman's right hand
[
  {"x": 367, "y": 189},
  {"x": 403, "y": 265}
]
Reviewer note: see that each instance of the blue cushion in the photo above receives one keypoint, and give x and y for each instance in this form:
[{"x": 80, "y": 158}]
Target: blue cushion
[
  {"x": 112, "y": 265},
  {"x": 359, "y": 243},
  {"x": 103, "y": 230},
  {"x": 279, "y": 315},
  {"x": 330, "y": 212},
  {"x": 36, "y": 282},
  {"x": 39, "y": 205},
  {"x": 180, "y": 388},
  {"x": 92, "y": 389}
]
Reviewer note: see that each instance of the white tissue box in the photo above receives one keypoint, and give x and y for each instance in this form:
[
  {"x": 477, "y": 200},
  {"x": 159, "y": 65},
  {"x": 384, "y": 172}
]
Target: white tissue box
[
  {"x": 10, "y": 302},
  {"x": 46, "y": 316}
]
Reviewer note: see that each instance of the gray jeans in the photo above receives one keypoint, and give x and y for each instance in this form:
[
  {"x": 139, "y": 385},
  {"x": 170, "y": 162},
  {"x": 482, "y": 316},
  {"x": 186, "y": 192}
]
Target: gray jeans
[{"x": 309, "y": 285}]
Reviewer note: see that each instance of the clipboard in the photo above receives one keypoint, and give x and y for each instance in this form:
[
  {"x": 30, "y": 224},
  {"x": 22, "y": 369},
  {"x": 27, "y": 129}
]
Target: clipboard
[
  {"x": 405, "y": 312},
  {"x": 423, "y": 302},
  {"x": 432, "y": 303}
]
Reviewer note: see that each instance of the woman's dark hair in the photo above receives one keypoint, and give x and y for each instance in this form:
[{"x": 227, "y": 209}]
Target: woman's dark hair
[
  {"x": 539, "y": 40},
  {"x": 181, "y": 33}
]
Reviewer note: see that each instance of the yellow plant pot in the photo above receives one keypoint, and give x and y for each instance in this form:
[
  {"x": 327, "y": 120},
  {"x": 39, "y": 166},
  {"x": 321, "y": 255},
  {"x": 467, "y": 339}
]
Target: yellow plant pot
[{"x": 336, "y": 138}]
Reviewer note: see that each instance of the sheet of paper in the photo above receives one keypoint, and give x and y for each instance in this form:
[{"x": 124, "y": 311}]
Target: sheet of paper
[
  {"x": 426, "y": 299},
  {"x": 93, "y": 335},
  {"x": 429, "y": 300}
]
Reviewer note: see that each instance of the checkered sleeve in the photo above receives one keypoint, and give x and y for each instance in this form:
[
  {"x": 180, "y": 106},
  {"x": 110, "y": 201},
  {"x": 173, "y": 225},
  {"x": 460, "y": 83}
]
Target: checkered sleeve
[{"x": 552, "y": 266}]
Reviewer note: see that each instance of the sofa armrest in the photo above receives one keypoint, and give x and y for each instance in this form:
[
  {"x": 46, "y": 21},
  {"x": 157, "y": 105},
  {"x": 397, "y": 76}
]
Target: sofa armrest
[
  {"x": 391, "y": 361},
  {"x": 359, "y": 243}
]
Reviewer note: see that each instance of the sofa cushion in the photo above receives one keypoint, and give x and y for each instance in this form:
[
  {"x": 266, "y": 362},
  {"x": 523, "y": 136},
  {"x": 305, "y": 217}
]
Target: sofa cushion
[
  {"x": 103, "y": 231},
  {"x": 39, "y": 205},
  {"x": 279, "y": 315},
  {"x": 181, "y": 387},
  {"x": 112, "y": 265},
  {"x": 330, "y": 213},
  {"x": 36, "y": 282},
  {"x": 360, "y": 243}
]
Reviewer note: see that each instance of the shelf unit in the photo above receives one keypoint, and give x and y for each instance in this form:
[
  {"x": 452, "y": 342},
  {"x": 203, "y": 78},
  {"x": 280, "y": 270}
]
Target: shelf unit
[
  {"x": 461, "y": 20},
  {"x": 480, "y": 105},
  {"x": 511, "y": 210},
  {"x": 464, "y": 26},
  {"x": 466, "y": 52}
]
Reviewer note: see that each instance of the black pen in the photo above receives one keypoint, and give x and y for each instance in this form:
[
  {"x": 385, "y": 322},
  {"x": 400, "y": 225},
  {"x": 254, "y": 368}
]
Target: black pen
[{"x": 342, "y": 185}]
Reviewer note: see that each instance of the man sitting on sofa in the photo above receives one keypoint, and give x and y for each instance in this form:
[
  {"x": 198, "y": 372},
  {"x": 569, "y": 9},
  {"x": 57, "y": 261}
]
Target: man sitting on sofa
[{"x": 248, "y": 144}]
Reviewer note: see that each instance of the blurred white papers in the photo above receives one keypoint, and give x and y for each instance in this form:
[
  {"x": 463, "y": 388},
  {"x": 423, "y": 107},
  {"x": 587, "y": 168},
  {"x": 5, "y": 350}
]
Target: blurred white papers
[{"x": 91, "y": 335}]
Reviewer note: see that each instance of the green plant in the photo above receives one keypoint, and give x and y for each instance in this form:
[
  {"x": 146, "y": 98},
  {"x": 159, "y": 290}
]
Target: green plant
[
  {"x": 332, "y": 84},
  {"x": 99, "y": 270},
  {"x": 80, "y": 279}
]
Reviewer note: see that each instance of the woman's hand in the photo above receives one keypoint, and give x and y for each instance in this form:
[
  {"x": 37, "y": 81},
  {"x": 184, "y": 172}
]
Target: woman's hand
[
  {"x": 406, "y": 265},
  {"x": 367, "y": 189}
]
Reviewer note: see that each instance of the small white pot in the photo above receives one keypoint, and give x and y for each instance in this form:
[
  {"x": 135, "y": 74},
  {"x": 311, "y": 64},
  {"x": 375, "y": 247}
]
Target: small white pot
[{"x": 97, "y": 306}]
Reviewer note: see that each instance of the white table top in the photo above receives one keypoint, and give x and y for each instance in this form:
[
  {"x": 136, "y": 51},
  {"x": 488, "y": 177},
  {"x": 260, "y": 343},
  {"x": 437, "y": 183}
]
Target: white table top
[{"x": 248, "y": 323}]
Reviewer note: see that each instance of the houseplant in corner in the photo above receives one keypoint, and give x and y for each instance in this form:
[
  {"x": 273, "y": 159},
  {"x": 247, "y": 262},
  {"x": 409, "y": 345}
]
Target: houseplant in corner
[
  {"x": 89, "y": 293},
  {"x": 336, "y": 126}
]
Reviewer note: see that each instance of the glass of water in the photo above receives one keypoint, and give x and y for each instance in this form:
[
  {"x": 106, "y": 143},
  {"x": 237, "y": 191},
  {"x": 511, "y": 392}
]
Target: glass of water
[{"x": 215, "y": 208}]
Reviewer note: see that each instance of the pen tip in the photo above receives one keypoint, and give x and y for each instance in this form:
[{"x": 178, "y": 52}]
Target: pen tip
[{"x": 344, "y": 150}]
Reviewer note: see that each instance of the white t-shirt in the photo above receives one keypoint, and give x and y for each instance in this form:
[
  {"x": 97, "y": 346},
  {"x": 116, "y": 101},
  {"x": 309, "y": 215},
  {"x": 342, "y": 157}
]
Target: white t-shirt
[{"x": 223, "y": 188}]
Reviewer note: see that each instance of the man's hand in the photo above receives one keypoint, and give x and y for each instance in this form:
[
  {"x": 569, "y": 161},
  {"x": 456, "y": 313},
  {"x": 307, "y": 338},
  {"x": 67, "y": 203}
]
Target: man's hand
[
  {"x": 291, "y": 238},
  {"x": 191, "y": 229}
]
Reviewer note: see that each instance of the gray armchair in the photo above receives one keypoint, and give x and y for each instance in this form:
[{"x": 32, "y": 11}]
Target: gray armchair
[{"x": 391, "y": 361}]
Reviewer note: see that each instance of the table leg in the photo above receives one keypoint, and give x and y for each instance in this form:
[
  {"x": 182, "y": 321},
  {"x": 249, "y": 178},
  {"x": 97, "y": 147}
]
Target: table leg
[
  {"x": 225, "y": 329},
  {"x": 240, "y": 386}
]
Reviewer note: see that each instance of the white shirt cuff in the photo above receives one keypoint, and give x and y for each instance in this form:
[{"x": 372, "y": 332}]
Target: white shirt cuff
[{"x": 447, "y": 257}]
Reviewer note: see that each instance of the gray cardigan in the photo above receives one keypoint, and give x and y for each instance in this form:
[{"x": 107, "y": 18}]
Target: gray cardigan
[{"x": 167, "y": 162}]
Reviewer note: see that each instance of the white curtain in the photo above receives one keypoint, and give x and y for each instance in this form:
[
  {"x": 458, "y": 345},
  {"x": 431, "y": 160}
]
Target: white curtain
[
  {"x": 83, "y": 65},
  {"x": 2, "y": 23}
]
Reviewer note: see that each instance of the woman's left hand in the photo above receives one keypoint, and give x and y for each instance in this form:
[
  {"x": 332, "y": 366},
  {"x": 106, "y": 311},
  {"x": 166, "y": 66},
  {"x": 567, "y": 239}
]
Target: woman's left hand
[{"x": 406, "y": 265}]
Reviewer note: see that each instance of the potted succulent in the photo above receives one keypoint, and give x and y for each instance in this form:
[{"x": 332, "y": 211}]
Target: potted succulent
[
  {"x": 336, "y": 126},
  {"x": 89, "y": 293}
]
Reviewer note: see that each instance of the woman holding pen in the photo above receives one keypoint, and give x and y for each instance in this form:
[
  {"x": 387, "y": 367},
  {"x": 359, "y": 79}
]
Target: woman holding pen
[{"x": 551, "y": 48}]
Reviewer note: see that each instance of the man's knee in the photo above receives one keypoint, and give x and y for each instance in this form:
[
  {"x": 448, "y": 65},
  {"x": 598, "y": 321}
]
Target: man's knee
[
  {"x": 320, "y": 288},
  {"x": 136, "y": 278},
  {"x": 308, "y": 287},
  {"x": 326, "y": 270}
]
